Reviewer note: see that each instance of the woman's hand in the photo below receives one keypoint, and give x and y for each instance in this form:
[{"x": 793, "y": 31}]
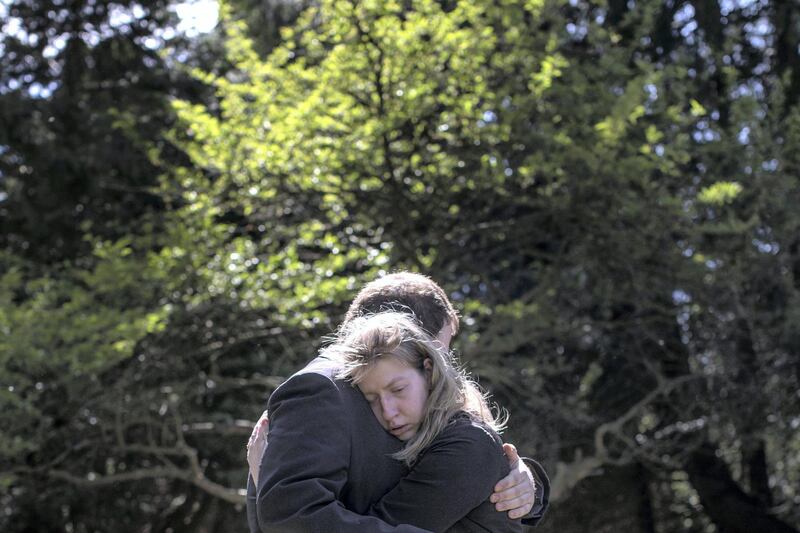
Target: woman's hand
[
  {"x": 515, "y": 493},
  {"x": 256, "y": 445}
]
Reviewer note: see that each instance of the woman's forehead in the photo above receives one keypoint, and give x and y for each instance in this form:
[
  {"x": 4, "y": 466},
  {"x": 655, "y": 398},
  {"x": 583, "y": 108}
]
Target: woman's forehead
[{"x": 385, "y": 372}]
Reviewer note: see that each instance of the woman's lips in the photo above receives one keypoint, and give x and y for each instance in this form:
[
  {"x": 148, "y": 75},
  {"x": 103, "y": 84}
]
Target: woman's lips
[{"x": 399, "y": 430}]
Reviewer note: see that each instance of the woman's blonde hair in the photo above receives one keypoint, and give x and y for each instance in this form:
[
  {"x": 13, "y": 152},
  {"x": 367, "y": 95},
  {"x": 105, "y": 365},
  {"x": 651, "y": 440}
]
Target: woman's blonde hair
[{"x": 365, "y": 340}]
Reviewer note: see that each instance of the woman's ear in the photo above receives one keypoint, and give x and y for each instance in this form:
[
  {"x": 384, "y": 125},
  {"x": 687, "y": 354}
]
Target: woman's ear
[{"x": 427, "y": 366}]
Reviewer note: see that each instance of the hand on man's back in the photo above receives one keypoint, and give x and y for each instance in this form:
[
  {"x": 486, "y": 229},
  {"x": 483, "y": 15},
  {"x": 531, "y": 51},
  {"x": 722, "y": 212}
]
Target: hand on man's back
[{"x": 257, "y": 444}]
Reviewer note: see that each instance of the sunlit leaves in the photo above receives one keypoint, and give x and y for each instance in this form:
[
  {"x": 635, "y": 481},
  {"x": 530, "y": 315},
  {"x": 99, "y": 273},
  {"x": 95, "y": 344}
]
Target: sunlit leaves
[{"x": 720, "y": 193}]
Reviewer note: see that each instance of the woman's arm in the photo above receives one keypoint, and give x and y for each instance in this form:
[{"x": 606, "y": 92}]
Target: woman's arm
[{"x": 453, "y": 476}]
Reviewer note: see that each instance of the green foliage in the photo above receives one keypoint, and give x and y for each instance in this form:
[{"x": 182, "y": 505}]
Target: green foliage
[{"x": 722, "y": 192}]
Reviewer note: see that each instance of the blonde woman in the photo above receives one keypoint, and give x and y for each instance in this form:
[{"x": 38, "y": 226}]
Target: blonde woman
[{"x": 451, "y": 442}]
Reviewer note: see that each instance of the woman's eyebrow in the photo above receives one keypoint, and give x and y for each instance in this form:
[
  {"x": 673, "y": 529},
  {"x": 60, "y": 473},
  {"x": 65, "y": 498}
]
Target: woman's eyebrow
[
  {"x": 395, "y": 380},
  {"x": 389, "y": 385}
]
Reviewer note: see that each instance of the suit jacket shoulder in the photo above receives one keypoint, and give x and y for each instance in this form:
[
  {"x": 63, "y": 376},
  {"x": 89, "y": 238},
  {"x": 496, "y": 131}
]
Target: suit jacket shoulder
[{"x": 306, "y": 477}]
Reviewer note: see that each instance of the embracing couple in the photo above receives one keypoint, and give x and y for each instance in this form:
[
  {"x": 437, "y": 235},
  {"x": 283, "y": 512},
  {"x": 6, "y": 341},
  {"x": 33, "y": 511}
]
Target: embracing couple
[{"x": 383, "y": 432}]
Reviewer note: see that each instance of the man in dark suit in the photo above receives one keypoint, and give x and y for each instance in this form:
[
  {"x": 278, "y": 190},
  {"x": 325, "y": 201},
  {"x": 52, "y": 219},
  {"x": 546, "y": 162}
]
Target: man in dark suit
[{"x": 328, "y": 458}]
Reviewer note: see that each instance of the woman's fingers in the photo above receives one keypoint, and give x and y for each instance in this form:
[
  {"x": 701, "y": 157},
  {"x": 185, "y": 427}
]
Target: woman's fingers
[{"x": 256, "y": 445}]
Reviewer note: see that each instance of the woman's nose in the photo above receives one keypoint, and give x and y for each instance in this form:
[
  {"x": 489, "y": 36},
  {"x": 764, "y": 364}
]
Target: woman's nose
[{"x": 388, "y": 409}]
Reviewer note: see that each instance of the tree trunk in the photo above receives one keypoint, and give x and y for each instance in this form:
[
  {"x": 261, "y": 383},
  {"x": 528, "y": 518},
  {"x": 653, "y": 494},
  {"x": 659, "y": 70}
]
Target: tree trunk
[
  {"x": 728, "y": 506},
  {"x": 616, "y": 500}
]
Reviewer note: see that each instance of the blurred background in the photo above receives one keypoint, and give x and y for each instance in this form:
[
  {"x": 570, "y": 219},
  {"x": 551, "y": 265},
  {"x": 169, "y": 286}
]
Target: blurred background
[{"x": 192, "y": 193}]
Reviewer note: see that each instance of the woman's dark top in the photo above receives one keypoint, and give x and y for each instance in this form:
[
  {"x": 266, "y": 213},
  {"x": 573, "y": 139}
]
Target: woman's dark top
[{"x": 452, "y": 481}]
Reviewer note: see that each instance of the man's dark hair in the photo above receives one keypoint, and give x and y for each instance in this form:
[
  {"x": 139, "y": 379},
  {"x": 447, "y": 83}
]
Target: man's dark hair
[{"x": 406, "y": 292}]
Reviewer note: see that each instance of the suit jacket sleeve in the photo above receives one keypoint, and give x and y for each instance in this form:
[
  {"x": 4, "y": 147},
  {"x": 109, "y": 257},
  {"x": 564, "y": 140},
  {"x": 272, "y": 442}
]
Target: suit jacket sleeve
[
  {"x": 542, "y": 498},
  {"x": 304, "y": 467},
  {"x": 453, "y": 476},
  {"x": 252, "y": 508}
]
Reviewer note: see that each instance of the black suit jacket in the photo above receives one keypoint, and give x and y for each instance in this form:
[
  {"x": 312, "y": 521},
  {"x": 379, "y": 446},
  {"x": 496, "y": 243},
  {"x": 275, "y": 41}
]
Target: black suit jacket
[{"x": 327, "y": 461}]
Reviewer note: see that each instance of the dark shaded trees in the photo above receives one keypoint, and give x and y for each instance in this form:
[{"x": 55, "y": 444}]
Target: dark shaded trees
[{"x": 84, "y": 91}]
